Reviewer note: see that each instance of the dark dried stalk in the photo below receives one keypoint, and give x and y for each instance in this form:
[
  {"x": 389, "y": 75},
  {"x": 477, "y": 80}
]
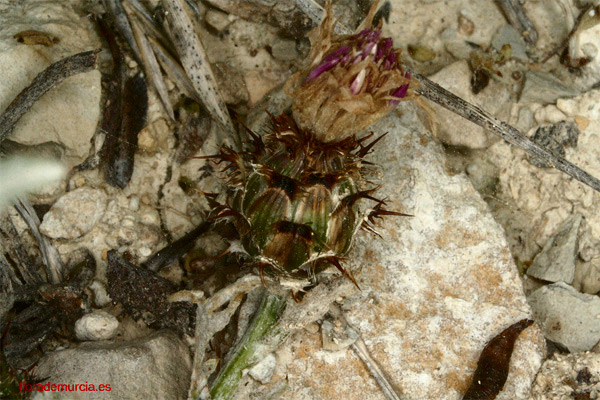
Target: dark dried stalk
[
  {"x": 10, "y": 244},
  {"x": 122, "y": 23},
  {"x": 178, "y": 248},
  {"x": 516, "y": 16},
  {"x": 120, "y": 152},
  {"x": 46, "y": 80}
]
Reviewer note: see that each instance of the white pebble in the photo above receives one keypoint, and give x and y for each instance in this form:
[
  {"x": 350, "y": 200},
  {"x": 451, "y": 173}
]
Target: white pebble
[
  {"x": 263, "y": 371},
  {"x": 145, "y": 251},
  {"x": 97, "y": 325},
  {"x": 134, "y": 203}
]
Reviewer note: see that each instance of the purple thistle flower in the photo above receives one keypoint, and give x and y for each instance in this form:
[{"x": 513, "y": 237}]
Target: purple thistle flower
[
  {"x": 357, "y": 82},
  {"x": 367, "y": 43}
]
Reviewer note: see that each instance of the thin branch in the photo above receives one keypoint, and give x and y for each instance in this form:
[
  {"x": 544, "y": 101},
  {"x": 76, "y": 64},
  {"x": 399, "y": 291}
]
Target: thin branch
[{"x": 46, "y": 80}]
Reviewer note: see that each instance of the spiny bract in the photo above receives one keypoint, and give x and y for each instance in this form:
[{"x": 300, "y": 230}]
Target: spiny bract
[{"x": 296, "y": 199}]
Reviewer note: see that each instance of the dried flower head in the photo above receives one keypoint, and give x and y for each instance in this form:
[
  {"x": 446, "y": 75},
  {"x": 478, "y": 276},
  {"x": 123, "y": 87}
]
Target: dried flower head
[{"x": 352, "y": 82}]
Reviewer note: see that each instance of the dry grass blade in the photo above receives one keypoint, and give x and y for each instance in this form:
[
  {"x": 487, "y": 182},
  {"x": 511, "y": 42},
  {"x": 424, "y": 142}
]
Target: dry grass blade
[
  {"x": 151, "y": 67},
  {"x": 446, "y": 99},
  {"x": 49, "y": 253},
  {"x": 44, "y": 81},
  {"x": 151, "y": 29},
  {"x": 360, "y": 348},
  {"x": 195, "y": 62},
  {"x": 174, "y": 70}
]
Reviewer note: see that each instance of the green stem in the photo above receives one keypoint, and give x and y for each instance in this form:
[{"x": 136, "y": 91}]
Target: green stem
[{"x": 251, "y": 348}]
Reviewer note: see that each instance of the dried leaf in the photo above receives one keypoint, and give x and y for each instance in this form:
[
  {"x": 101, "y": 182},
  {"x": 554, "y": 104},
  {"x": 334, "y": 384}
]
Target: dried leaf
[
  {"x": 195, "y": 61},
  {"x": 120, "y": 149},
  {"x": 31, "y": 37},
  {"x": 174, "y": 70},
  {"x": 152, "y": 69},
  {"x": 493, "y": 364}
]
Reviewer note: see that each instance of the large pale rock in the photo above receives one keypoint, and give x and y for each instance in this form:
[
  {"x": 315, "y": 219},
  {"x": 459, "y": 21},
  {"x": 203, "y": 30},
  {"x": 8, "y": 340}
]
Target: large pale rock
[
  {"x": 156, "y": 367},
  {"x": 434, "y": 290},
  {"x": 67, "y": 114}
]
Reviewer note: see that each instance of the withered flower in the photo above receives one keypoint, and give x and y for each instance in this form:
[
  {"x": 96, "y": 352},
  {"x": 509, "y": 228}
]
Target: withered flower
[{"x": 352, "y": 82}]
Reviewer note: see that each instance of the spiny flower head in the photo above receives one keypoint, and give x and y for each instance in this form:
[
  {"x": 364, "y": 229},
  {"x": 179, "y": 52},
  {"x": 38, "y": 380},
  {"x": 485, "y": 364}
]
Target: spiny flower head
[
  {"x": 352, "y": 81},
  {"x": 298, "y": 202}
]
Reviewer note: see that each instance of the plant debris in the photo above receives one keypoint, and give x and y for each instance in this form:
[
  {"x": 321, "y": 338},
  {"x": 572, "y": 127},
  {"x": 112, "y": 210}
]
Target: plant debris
[
  {"x": 144, "y": 294},
  {"x": 31, "y": 37},
  {"x": 493, "y": 364}
]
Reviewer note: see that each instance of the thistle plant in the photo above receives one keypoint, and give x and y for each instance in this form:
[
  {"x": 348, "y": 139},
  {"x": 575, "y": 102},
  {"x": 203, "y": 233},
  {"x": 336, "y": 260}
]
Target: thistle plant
[{"x": 300, "y": 192}]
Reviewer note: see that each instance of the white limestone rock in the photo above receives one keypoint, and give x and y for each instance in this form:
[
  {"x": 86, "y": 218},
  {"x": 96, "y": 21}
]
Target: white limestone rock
[
  {"x": 97, "y": 325},
  {"x": 74, "y": 214}
]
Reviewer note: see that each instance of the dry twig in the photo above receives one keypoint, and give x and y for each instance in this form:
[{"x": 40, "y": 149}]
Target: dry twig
[{"x": 46, "y": 80}]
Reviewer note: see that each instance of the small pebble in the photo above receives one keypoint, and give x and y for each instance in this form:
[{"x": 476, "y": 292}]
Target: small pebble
[
  {"x": 97, "y": 325},
  {"x": 144, "y": 251},
  {"x": 263, "y": 371},
  {"x": 582, "y": 122},
  {"x": 134, "y": 203},
  {"x": 217, "y": 20},
  {"x": 566, "y": 316},
  {"x": 465, "y": 26}
]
